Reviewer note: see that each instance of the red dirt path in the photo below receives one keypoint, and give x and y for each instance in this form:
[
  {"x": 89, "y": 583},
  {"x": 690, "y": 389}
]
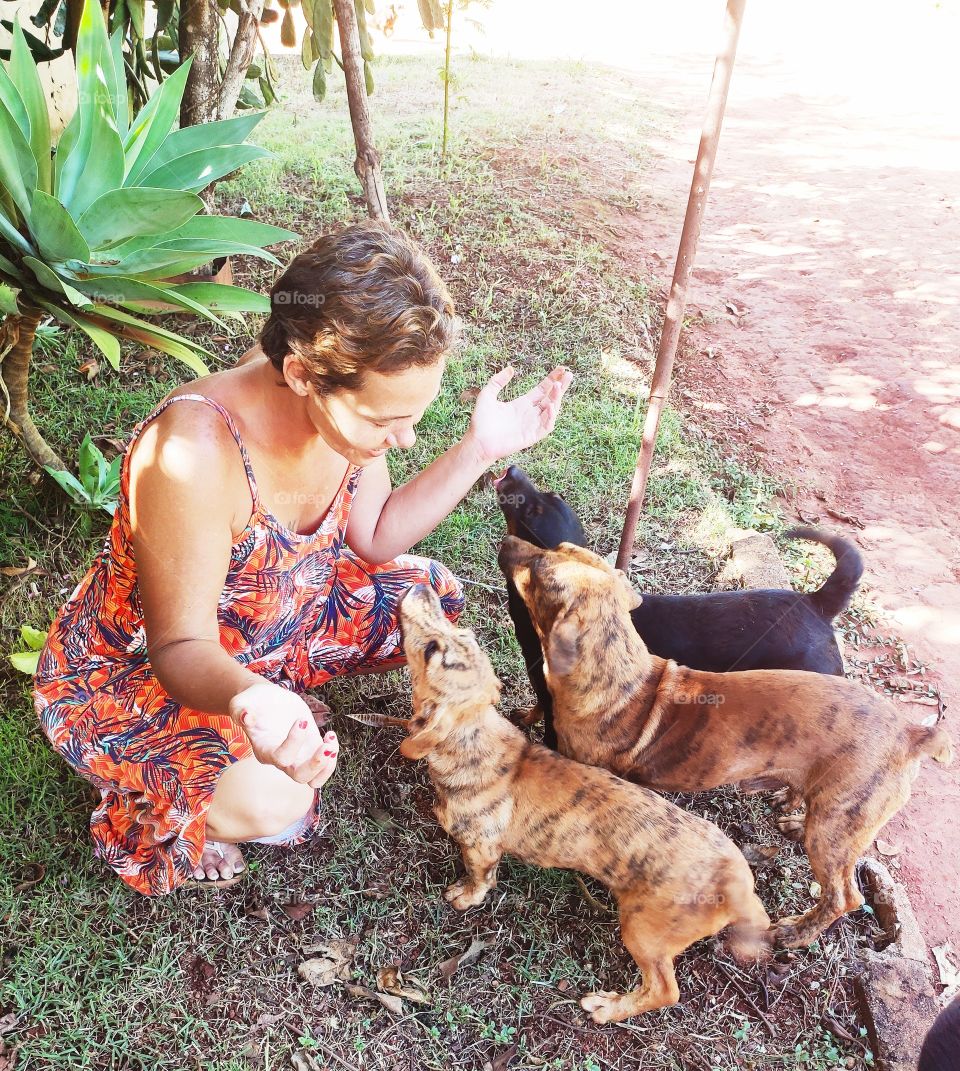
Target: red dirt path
[{"x": 833, "y": 231}]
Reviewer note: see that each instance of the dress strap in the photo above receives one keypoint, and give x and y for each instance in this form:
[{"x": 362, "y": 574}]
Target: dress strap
[{"x": 228, "y": 419}]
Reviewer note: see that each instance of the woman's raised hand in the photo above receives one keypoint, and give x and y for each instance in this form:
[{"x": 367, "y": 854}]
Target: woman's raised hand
[
  {"x": 501, "y": 428},
  {"x": 283, "y": 733}
]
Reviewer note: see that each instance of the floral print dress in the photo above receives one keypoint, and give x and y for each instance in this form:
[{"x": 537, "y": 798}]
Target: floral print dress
[{"x": 295, "y": 609}]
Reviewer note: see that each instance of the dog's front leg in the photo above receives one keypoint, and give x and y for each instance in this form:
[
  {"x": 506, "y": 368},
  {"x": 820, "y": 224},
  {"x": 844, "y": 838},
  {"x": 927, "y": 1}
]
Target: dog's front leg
[{"x": 481, "y": 861}]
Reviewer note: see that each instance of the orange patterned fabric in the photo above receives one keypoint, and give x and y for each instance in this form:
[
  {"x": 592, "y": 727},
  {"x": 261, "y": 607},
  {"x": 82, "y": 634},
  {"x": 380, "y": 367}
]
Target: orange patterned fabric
[{"x": 295, "y": 609}]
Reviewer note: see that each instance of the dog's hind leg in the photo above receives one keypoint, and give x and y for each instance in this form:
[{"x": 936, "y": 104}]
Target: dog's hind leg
[
  {"x": 481, "y": 861},
  {"x": 838, "y": 832},
  {"x": 653, "y": 948}
]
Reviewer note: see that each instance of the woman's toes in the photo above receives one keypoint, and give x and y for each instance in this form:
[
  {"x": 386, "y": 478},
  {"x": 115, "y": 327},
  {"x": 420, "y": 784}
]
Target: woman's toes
[{"x": 219, "y": 862}]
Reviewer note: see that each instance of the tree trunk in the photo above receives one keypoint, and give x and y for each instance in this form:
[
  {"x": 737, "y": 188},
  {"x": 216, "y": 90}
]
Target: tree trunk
[
  {"x": 18, "y": 332},
  {"x": 367, "y": 164},
  {"x": 199, "y": 33},
  {"x": 241, "y": 56}
]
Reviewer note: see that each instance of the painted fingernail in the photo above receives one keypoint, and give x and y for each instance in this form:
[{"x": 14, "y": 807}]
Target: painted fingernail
[{"x": 303, "y": 725}]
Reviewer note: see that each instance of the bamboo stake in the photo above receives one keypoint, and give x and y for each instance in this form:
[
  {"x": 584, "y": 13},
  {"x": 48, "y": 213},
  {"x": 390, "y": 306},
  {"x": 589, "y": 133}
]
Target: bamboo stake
[{"x": 686, "y": 254}]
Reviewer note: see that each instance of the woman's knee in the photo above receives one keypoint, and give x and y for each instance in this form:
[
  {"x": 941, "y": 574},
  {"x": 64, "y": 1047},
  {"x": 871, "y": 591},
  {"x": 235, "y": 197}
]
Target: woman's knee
[{"x": 252, "y": 800}]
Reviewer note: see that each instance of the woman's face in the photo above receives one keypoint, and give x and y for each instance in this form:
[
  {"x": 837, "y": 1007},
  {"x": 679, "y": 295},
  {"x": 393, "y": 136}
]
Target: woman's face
[{"x": 363, "y": 424}]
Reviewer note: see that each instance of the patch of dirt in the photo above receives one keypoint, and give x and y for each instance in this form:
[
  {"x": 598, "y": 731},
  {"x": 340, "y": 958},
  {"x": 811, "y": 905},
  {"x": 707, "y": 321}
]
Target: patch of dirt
[{"x": 824, "y": 337}]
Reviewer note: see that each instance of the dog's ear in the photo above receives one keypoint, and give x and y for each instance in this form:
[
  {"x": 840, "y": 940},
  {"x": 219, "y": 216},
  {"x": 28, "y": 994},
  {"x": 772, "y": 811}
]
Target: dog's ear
[
  {"x": 427, "y": 729},
  {"x": 634, "y": 598},
  {"x": 563, "y": 644}
]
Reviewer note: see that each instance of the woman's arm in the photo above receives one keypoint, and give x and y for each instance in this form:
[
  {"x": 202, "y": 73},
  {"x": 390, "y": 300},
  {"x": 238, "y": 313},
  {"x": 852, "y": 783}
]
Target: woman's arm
[
  {"x": 384, "y": 522},
  {"x": 183, "y": 495}
]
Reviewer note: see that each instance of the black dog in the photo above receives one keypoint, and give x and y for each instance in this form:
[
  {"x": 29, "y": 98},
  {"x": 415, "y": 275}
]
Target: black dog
[{"x": 716, "y": 632}]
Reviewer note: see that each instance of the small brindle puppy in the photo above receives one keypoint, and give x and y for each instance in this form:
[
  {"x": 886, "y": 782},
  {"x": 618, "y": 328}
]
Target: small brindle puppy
[
  {"x": 850, "y": 754},
  {"x": 718, "y": 631},
  {"x": 676, "y": 877}
]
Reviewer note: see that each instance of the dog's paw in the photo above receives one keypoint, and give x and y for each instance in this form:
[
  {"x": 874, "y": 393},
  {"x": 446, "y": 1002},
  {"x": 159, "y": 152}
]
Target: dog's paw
[
  {"x": 793, "y": 826},
  {"x": 602, "y": 1007},
  {"x": 524, "y": 717},
  {"x": 791, "y": 932},
  {"x": 464, "y": 894}
]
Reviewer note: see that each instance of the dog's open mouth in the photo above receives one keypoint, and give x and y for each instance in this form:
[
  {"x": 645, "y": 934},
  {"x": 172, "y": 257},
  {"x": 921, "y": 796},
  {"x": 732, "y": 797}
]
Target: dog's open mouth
[{"x": 496, "y": 480}]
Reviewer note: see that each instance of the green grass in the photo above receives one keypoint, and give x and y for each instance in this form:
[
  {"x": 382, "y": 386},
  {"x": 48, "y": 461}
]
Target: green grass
[{"x": 102, "y": 978}]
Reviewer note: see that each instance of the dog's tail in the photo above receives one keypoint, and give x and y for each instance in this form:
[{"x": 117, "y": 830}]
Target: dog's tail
[
  {"x": 838, "y": 589},
  {"x": 748, "y": 936},
  {"x": 932, "y": 742}
]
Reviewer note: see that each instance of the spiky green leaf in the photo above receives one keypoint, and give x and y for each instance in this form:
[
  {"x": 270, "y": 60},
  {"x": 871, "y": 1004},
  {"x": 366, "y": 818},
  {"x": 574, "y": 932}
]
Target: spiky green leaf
[
  {"x": 9, "y": 231},
  {"x": 196, "y": 170},
  {"x": 121, "y": 289},
  {"x": 10, "y": 96},
  {"x": 55, "y": 232},
  {"x": 118, "y": 215},
  {"x": 105, "y": 342},
  {"x": 10, "y": 270},
  {"x": 152, "y": 126},
  {"x": 23, "y": 70},
  {"x": 50, "y": 279},
  {"x": 18, "y": 168},
  {"x": 94, "y": 158},
  {"x": 8, "y": 300},
  {"x": 226, "y": 299},
  {"x": 117, "y": 86},
  {"x": 203, "y": 136},
  {"x": 148, "y": 335}
]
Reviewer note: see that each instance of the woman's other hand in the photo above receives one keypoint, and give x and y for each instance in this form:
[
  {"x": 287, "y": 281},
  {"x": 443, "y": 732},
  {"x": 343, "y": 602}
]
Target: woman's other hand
[
  {"x": 500, "y": 428},
  {"x": 283, "y": 733}
]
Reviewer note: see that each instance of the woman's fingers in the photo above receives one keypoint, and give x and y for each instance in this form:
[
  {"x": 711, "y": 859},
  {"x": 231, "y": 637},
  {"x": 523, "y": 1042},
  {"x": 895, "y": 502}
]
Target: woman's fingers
[{"x": 299, "y": 744}]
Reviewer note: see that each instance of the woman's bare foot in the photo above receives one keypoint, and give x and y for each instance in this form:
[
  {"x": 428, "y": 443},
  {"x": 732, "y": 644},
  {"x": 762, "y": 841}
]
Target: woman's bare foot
[{"x": 219, "y": 862}]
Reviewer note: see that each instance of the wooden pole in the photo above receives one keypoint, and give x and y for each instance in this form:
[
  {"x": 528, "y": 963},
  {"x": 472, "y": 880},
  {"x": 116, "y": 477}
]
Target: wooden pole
[
  {"x": 446, "y": 81},
  {"x": 686, "y": 254},
  {"x": 367, "y": 164}
]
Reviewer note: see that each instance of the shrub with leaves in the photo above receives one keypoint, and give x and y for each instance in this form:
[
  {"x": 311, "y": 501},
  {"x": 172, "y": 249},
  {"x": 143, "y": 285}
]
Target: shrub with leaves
[
  {"x": 89, "y": 233},
  {"x": 99, "y": 484}
]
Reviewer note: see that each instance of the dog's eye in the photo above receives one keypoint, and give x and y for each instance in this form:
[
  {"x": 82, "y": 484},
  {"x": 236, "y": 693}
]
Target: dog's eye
[{"x": 430, "y": 650}]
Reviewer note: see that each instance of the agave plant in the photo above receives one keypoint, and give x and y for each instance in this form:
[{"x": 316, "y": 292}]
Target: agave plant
[{"x": 90, "y": 232}]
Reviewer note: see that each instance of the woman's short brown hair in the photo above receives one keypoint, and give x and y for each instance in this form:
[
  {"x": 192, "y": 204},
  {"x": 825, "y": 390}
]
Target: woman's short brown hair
[{"x": 364, "y": 299}]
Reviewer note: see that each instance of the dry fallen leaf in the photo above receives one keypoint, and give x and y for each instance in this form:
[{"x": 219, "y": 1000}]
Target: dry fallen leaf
[
  {"x": 261, "y": 913},
  {"x": 90, "y": 369},
  {"x": 303, "y": 1061},
  {"x": 9, "y": 1023},
  {"x": 297, "y": 910},
  {"x": 331, "y": 965},
  {"x": 393, "y": 1004},
  {"x": 450, "y": 966},
  {"x": 949, "y": 972},
  {"x": 19, "y": 570},
  {"x": 502, "y": 1060},
  {"x": 268, "y": 1019},
  {"x": 34, "y": 873},
  {"x": 390, "y": 980},
  {"x": 381, "y": 818},
  {"x": 759, "y": 853},
  {"x": 886, "y": 848}
]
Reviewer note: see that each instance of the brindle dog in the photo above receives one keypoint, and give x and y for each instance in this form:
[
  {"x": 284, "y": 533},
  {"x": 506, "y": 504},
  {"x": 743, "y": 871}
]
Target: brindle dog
[
  {"x": 675, "y": 876},
  {"x": 850, "y": 754}
]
